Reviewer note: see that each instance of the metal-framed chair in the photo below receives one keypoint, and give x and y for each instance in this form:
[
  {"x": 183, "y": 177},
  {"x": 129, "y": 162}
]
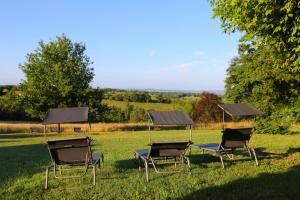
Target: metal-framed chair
[
  {"x": 232, "y": 138},
  {"x": 72, "y": 154},
  {"x": 167, "y": 153}
]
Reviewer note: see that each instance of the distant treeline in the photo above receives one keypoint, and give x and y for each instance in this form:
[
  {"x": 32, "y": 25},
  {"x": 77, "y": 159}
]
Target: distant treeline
[{"x": 144, "y": 96}]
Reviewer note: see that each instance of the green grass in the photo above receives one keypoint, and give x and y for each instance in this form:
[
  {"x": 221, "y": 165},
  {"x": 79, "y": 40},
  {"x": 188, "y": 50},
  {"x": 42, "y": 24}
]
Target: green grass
[
  {"x": 146, "y": 106},
  {"x": 23, "y": 159}
]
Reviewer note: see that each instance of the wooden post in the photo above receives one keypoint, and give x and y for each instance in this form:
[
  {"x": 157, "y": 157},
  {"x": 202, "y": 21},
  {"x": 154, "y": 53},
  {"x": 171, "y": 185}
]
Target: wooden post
[
  {"x": 149, "y": 129},
  {"x": 190, "y": 132},
  {"x": 90, "y": 128},
  {"x": 223, "y": 125},
  {"x": 58, "y": 128},
  {"x": 45, "y": 130}
]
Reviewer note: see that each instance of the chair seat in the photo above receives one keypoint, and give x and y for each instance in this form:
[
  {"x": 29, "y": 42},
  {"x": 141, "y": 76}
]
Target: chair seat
[
  {"x": 96, "y": 157},
  {"x": 142, "y": 152},
  {"x": 208, "y": 147}
]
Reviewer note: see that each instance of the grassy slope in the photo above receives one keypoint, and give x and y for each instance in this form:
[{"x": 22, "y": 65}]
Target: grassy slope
[
  {"x": 146, "y": 106},
  {"x": 23, "y": 160}
]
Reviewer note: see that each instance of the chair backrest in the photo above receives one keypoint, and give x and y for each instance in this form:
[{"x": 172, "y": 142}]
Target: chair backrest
[
  {"x": 70, "y": 151},
  {"x": 236, "y": 137},
  {"x": 165, "y": 149}
]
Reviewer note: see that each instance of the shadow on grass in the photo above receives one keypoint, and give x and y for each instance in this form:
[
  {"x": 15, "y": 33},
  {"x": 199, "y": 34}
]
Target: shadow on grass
[
  {"x": 209, "y": 157},
  {"x": 201, "y": 159},
  {"x": 265, "y": 186},
  {"x": 19, "y": 135},
  {"x": 127, "y": 164},
  {"x": 23, "y": 160}
]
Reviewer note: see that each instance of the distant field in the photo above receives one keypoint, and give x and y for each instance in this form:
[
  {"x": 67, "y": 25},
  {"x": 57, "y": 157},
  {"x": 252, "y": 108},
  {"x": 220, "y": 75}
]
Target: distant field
[{"x": 146, "y": 106}]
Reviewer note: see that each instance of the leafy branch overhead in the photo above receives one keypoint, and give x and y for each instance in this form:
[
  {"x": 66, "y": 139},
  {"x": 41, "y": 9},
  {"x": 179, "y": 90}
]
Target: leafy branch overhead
[{"x": 264, "y": 22}]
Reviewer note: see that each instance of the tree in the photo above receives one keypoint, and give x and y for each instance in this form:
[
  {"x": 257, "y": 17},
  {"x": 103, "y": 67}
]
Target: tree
[
  {"x": 57, "y": 74},
  {"x": 138, "y": 115},
  {"x": 189, "y": 106},
  {"x": 257, "y": 76},
  {"x": 11, "y": 106},
  {"x": 264, "y": 22},
  {"x": 207, "y": 109}
]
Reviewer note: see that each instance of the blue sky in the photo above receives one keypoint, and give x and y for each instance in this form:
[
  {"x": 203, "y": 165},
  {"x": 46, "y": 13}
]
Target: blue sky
[{"x": 169, "y": 44}]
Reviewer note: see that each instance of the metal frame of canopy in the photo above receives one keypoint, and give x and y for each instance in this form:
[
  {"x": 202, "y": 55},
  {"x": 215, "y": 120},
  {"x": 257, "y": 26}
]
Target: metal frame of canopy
[
  {"x": 66, "y": 115},
  {"x": 240, "y": 109},
  {"x": 169, "y": 118}
]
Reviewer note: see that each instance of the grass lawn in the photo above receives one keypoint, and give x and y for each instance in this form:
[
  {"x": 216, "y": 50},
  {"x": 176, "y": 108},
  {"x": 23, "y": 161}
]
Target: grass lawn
[
  {"x": 147, "y": 106},
  {"x": 23, "y": 159}
]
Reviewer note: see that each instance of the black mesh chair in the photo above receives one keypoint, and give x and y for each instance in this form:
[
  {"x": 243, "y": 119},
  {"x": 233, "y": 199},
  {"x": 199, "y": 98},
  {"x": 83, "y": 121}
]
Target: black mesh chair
[
  {"x": 232, "y": 138},
  {"x": 72, "y": 154},
  {"x": 166, "y": 152}
]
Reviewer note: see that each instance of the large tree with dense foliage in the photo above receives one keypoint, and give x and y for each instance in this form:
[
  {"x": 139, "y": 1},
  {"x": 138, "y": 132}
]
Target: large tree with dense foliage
[
  {"x": 57, "y": 74},
  {"x": 267, "y": 70},
  {"x": 257, "y": 76},
  {"x": 275, "y": 23}
]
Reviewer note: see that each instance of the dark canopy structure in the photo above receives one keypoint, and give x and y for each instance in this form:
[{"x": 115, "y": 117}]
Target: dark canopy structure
[
  {"x": 176, "y": 118},
  {"x": 66, "y": 115},
  {"x": 169, "y": 118},
  {"x": 240, "y": 109}
]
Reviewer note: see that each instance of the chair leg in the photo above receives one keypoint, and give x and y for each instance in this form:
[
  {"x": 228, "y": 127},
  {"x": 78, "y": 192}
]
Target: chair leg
[
  {"x": 46, "y": 182},
  {"x": 248, "y": 149},
  {"x": 140, "y": 163},
  {"x": 94, "y": 175},
  {"x": 189, "y": 165},
  {"x": 221, "y": 158},
  {"x": 254, "y": 154},
  {"x": 147, "y": 173}
]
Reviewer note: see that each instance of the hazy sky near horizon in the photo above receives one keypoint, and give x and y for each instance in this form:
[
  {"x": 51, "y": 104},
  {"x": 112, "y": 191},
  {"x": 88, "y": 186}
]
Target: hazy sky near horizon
[{"x": 170, "y": 44}]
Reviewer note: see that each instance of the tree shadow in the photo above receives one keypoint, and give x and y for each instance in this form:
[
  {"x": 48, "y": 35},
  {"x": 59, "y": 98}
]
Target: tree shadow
[
  {"x": 265, "y": 186},
  {"x": 262, "y": 154},
  {"x": 23, "y": 160},
  {"x": 294, "y": 132}
]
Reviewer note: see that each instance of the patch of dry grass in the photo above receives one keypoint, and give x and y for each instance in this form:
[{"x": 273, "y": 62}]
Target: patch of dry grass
[
  {"x": 216, "y": 126},
  {"x": 24, "y": 127}
]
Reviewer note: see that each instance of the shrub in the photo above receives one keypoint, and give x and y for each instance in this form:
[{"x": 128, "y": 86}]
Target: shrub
[
  {"x": 277, "y": 123},
  {"x": 190, "y": 108},
  {"x": 138, "y": 115},
  {"x": 114, "y": 114},
  {"x": 207, "y": 109}
]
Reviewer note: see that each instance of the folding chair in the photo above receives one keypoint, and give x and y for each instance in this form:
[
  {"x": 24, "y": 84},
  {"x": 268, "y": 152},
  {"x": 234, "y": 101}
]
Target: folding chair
[
  {"x": 167, "y": 153},
  {"x": 74, "y": 153},
  {"x": 232, "y": 138}
]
